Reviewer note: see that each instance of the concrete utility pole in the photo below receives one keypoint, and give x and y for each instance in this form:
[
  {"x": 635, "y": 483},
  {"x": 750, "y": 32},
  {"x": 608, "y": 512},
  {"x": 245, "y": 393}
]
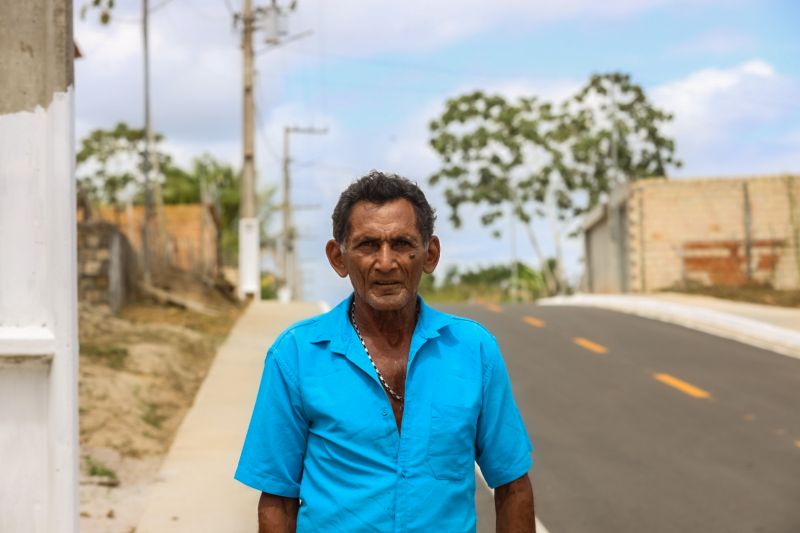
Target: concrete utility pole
[
  {"x": 290, "y": 289},
  {"x": 272, "y": 19},
  {"x": 147, "y": 163},
  {"x": 38, "y": 274},
  {"x": 249, "y": 245}
]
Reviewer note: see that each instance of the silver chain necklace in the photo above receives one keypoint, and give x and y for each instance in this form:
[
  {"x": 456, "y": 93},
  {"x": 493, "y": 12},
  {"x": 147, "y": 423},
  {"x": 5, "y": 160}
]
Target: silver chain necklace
[{"x": 364, "y": 344}]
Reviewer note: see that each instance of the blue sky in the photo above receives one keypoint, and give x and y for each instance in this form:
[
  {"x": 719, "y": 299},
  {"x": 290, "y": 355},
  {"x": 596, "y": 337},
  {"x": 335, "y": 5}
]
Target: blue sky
[{"x": 376, "y": 72}]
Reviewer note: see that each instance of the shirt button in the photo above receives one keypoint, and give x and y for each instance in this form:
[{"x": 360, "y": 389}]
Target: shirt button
[
  {"x": 404, "y": 473},
  {"x": 385, "y": 412}
]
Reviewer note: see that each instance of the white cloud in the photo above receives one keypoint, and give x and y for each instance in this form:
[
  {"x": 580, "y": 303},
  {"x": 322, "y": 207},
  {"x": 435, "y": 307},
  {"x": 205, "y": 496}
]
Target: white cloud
[
  {"x": 717, "y": 110},
  {"x": 706, "y": 103},
  {"x": 196, "y": 59},
  {"x": 195, "y": 73},
  {"x": 717, "y": 42},
  {"x": 369, "y": 28}
]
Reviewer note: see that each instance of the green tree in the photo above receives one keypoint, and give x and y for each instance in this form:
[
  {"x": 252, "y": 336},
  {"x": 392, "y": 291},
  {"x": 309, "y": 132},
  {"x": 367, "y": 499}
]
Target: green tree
[
  {"x": 103, "y": 8},
  {"x": 614, "y": 134},
  {"x": 209, "y": 181},
  {"x": 109, "y": 165},
  {"x": 527, "y": 156},
  {"x": 212, "y": 181},
  {"x": 498, "y": 155}
]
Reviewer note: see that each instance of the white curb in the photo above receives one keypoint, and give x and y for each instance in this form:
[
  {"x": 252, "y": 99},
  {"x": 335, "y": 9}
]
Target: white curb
[{"x": 753, "y": 332}]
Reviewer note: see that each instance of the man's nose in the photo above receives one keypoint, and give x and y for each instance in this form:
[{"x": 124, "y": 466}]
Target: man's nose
[{"x": 386, "y": 257}]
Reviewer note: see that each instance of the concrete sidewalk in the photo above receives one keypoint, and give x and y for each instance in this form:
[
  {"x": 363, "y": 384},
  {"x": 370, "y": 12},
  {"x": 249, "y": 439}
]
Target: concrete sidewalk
[
  {"x": 784, "y": 317},
  {"x": 770, "y": 327},
  {"x": 195, "y": 490}
]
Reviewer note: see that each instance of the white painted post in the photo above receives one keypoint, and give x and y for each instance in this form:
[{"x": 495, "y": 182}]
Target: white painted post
[
  {"x": 38, "y": 324},
  {"x": 249, "y": 264}
]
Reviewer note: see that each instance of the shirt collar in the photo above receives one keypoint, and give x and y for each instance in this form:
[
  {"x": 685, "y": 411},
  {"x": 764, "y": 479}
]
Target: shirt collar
[{"x": 334, "y": 326}]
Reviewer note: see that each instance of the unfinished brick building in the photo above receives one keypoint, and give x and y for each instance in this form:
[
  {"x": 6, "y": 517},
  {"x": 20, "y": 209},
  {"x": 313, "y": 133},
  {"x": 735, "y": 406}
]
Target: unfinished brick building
[
  {"x": 190, "y": 235},
  {"x": 654, "y": 234}
]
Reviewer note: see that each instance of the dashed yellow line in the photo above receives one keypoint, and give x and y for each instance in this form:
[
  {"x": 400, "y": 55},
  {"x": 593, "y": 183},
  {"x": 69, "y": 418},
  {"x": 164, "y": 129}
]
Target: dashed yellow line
[
  {"x": 589, "y": 345},
  {"x": 494, "y": 308},
  {"x": 684, "y": 387},
  {"x": 533, "y": 321}
]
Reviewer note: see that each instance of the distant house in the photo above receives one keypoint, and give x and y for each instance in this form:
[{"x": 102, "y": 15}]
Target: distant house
[{"x": 654, "y": 234}]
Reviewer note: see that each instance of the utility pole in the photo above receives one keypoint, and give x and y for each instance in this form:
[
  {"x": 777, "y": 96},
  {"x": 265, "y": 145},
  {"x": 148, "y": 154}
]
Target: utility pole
[
  {"x": 147, "y": 163},
  {"x": 248, "y": 185},
  {"x": 290, "y": 288},
  {"x": 38, "y": 278},
  {"x": 249, "y": 245},
  {"x": 273, "y": 17}
]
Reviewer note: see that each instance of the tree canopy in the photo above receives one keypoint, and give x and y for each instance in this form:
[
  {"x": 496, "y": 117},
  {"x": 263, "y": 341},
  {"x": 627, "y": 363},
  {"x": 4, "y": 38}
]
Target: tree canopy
[
  {"x": 494, "y": 150},
  {"x": 110, "y": 163},
  {"x": 528, "y": 155},
  {"x": 110, "y": 172}
]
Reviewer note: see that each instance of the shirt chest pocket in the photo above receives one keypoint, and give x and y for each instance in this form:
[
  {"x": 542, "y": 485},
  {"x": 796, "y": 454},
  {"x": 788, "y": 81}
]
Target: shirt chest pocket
[
  {"x": 338, "y": 403},
  {"x": 451, "y": 444}
]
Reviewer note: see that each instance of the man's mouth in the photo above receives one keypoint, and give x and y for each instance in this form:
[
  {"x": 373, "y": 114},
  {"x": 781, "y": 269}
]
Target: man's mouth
[{"x": 386, "y": 283}]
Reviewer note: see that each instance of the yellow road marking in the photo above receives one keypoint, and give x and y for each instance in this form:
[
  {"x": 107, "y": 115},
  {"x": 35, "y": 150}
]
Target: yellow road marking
[
  {"x": 589, "y": 345},
  {"x": 535, "y": 322},
  {"x": 686, "y": 388},
  {"x": 494, "y": 308}
]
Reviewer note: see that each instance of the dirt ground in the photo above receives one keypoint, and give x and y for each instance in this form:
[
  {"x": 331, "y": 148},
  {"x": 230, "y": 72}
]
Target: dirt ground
[{"x": 139, "y": 373}]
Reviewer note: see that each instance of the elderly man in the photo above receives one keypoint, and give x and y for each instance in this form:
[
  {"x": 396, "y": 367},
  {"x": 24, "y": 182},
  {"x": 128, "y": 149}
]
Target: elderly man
[{"x": 323, "y": 446}]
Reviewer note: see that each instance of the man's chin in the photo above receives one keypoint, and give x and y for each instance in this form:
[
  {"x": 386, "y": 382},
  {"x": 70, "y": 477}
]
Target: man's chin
[{"x": 388, "y": 301}]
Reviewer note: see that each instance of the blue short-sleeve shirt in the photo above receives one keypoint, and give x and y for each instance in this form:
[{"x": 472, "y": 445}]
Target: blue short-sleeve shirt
[{"x": 323, "y": 430}]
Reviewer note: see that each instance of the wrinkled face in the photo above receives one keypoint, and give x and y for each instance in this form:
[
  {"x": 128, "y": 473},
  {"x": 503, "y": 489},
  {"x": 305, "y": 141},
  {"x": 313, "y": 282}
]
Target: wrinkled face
[{"x": 384, "y": 254}]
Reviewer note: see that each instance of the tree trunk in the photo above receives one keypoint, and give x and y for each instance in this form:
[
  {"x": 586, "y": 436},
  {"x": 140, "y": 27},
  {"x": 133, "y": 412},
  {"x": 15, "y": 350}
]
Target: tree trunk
[{"x": 549, "y": 278}]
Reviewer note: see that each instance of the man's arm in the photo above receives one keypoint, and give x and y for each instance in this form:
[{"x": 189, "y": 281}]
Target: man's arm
[
  {"x": 513, "y": 504},
  {"x": 277, "y": 514}
]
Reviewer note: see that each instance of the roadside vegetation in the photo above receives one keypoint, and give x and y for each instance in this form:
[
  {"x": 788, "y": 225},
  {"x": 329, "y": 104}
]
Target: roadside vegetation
[{"x": 496, "y": 283}]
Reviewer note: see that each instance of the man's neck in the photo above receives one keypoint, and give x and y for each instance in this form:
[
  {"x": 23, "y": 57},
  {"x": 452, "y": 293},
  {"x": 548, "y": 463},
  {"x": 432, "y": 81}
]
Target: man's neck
[{"x": 394, "y": 327}]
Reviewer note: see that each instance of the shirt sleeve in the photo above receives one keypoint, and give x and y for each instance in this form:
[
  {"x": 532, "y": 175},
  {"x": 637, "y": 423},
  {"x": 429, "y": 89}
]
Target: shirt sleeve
[
  {"x": 502, "y": 447},
  {"x": 272, "y": 456}
]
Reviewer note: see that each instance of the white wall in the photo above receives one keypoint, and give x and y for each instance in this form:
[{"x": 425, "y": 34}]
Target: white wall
[{"x": 38, "y": 328}]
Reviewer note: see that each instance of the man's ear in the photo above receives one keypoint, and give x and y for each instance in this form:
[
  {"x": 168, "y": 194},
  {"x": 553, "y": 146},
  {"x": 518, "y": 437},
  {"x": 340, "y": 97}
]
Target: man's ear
[
  {"x": 334, "y": 253},
  {"x": 432, "y": 255}
]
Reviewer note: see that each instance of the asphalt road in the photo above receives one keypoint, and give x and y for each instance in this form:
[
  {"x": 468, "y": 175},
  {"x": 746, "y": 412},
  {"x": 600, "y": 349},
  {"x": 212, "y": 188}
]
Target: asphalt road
[{"x": 642, "y": 426}]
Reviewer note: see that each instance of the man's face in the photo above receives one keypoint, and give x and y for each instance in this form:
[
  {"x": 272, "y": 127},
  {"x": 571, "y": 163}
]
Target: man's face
[{"x": 384, "y": 254}]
